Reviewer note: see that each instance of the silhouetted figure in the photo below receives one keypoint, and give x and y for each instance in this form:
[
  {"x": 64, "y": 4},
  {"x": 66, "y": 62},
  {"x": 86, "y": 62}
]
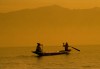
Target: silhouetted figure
[
  {"x": 38, "y": 48},
  {"x": 66, "y": 46}
]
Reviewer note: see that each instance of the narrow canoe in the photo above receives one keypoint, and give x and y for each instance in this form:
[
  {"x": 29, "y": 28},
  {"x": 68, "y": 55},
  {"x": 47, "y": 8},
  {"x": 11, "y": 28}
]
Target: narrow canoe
[{"x": 51, "y": 53}]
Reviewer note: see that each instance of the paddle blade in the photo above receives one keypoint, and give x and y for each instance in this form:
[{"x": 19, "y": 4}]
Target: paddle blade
[{"x": 76, "y": 49}]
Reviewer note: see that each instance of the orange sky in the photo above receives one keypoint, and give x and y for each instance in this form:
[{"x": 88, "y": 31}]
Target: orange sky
[
  {"x": 15, "y": 36},
  {"x": 11, "y": 5}
]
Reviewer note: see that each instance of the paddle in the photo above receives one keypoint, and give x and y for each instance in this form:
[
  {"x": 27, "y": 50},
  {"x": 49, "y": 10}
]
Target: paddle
[{"x": 74, "y": 48}]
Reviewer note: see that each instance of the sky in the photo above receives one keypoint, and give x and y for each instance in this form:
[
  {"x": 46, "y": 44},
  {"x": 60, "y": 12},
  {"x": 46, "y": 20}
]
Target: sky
[
  {"x": 13, "y": 5},
  {"x": 22, "y": 37}
]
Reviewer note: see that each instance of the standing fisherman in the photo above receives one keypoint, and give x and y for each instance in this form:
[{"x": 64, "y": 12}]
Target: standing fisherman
[{"x": 66, "y": 46}]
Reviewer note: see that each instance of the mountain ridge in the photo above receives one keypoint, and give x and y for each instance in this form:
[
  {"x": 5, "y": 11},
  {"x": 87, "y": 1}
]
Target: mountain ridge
[
  {"x": 52, "y": 16},
  {"x": 50, "y": 24},
  {"x": 52, "y": 7}
]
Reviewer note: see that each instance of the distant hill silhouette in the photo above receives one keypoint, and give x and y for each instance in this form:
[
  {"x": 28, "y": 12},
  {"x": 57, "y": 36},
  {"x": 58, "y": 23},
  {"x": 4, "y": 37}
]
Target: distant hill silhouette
[
  {"x": 50, "y": 24},
  {"x": 51, "y": 16}
]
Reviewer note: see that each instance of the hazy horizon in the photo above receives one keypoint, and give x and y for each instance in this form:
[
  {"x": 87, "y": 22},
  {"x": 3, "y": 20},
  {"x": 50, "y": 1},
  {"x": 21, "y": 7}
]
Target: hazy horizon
[
  {"x": 10, "y": 5},
  {"x": 49, "y": 6},
  {"x": 49, "y": 24}
]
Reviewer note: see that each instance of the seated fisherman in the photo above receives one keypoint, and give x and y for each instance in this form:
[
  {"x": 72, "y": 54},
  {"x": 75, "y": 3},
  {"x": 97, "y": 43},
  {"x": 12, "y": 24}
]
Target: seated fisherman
[{"x": 38, "y": 48}]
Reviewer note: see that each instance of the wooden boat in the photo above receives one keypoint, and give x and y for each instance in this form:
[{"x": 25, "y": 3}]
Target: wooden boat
[{"x": 51, "y": 53}]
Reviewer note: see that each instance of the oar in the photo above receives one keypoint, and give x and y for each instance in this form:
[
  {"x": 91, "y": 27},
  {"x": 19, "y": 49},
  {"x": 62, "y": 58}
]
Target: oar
[{"x": 74, "y": 48}]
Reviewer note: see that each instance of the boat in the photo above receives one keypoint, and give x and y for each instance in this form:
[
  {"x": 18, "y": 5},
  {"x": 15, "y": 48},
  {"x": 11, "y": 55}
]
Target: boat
[{"x": 51, "y": 53}]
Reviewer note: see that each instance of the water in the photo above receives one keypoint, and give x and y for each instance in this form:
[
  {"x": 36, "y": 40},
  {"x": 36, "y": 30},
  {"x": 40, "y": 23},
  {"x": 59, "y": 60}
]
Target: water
[{"x": 22, "y": 58}]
